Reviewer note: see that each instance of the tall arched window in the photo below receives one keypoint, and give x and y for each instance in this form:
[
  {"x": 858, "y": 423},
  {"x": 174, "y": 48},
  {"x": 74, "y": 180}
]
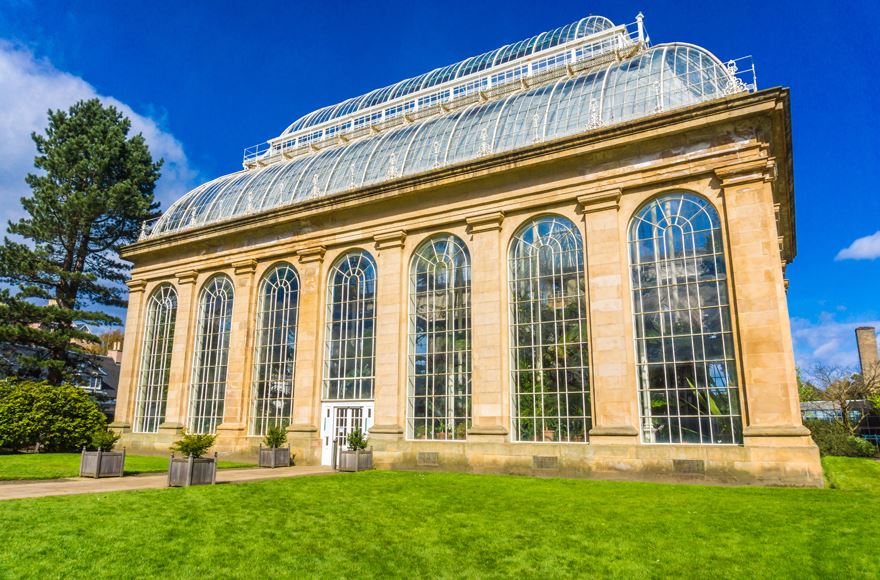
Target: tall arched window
[
  {"x": 211, "y": 355},
  {"x": 548, "y": 332},
  {"x": 684, "y": 342},
  {"x": 274, "y": 349},
  {"x": 351, "y": 316},
  {"x": 439, "y": 402},
  {"x": 152, "y": 390}
]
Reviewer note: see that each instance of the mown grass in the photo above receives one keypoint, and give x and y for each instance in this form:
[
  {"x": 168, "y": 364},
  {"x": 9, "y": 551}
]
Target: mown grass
[
  {"x": 60, "y": 465},
  {"x": 392, "y": 524}
]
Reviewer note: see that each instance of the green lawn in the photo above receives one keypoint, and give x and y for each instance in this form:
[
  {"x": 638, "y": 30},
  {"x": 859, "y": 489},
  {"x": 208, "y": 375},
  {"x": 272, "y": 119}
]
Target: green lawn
[
  {"x": 55, "y": 465},
  {"x": 382, "y": 524}
]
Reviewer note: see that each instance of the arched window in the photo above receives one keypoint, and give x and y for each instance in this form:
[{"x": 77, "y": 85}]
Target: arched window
[
  {"x": 684, "y": 342},
  {"x": 548, "y": 333},
  {"x": 274, "y": 349},
  {"x": 211, "y": 355},
  {"x": 439, "y": 401},
  {"x": 152, "y": 389},
  {"x": 351, "y": 317}
]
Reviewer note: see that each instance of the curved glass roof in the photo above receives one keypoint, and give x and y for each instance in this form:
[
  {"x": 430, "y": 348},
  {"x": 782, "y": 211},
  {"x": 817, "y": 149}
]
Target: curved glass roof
[
  {"x": 546, "y": 40},
  {"x": 659, "y": 79}
]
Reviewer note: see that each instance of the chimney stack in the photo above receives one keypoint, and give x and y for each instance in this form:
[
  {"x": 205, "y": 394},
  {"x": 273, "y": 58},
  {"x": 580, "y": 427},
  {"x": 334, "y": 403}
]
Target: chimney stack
[
  {"x": 115, "y": 352},
  {"x": 866, "y": 338}
]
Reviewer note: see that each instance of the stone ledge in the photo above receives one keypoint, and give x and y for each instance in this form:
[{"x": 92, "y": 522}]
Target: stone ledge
[
  {"x": 614, "y": 431},
  {"x": 776, "y": 431}
]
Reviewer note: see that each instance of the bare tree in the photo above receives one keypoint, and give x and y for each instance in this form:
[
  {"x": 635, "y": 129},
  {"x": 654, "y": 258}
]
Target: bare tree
[{"x": 848, "y": 390}]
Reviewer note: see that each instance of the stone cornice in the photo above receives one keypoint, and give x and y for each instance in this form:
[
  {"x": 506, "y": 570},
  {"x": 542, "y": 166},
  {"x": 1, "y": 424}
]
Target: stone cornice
[
  {"x": 244, "y": 267},
  {"x": 187, "y": 277},
  {"x": 388, "y": 240},
  {"x": 608, "y": 200},
  {"x": 747, "y": 172},
  {"x": 487, "y": 222},
  {"x": 135, "y": 286},
  {"x": 311, "y": 254}
]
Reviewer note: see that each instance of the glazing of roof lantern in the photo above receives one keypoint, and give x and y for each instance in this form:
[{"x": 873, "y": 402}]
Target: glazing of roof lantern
[{"x": 577, "y": 78}]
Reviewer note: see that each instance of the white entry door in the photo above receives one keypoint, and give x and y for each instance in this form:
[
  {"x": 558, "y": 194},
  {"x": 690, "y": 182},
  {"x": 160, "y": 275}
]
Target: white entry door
[{"x": 338, "y": 420}]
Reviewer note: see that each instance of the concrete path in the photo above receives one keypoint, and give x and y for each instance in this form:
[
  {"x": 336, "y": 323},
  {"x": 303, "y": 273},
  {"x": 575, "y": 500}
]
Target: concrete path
[{"x": 77, "y": 485}]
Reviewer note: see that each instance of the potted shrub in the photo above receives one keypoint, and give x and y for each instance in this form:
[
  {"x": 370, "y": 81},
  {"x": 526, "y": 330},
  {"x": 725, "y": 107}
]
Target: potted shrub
[
  {"x": 274, "y": 454},
  {"x": 102, "y": 461},
  {"x": 357, "y": 457},
  {"x": 193, "y": 468}
]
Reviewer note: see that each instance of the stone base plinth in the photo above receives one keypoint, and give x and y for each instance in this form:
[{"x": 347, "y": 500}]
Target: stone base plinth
[
  {"x": 769, "y": 457},
  {"x": 791, "y": 463}
]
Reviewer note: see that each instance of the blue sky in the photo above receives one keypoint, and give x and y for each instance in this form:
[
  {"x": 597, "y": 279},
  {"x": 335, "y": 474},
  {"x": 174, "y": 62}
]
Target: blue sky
[{"x": 202, "y": 80}]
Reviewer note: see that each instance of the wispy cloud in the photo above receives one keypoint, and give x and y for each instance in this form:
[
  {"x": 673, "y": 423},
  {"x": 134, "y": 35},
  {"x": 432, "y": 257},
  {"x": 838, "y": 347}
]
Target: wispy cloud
[
  {"x": 866, "y": 248},
  {"x": 29, "y": 87},
  {"x": 826, "y": 341}
]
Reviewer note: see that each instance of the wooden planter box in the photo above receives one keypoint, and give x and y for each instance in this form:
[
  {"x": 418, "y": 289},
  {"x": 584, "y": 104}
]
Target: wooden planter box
[
  {"x": 355, "y": 460},
  {"x": 274, "y": 456},
  {"x": 102, "y": 463},
  {"x": 186, "y": 471}
]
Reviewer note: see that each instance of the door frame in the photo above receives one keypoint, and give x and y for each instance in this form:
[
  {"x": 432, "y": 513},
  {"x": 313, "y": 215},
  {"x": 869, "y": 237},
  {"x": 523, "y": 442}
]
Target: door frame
[{"x": 328, "y": 424}]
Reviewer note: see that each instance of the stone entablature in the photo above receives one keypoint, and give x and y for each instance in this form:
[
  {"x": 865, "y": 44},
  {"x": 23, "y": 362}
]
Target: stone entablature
[{"x": 718, "y": 150}]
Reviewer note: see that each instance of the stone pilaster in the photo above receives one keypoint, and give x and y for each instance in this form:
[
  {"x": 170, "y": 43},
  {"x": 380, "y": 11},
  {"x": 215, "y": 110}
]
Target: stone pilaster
[
  {"x": 615, "y": 404},
  {"x": 131, "y": 347},
  {"x": 303, "y": 432},
  {"x": 489, "y": 385},
  {"x": 181, "y": 354},
  {"x": 238, "y": 371},
  {"x": 390, "y": 335},
  {"x": 764, "y": 336}
]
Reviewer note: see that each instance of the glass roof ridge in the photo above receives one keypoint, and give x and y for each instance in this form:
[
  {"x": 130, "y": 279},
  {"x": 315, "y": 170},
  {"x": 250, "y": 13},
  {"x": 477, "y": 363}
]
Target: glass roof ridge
[{"x": 580, "y": 29}]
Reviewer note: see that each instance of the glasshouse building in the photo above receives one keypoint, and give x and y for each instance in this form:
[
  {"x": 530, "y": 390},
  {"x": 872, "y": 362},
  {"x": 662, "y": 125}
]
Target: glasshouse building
[{"x": 564, "y": 256}]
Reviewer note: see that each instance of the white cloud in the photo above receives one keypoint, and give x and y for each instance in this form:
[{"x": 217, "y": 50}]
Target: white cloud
[
  {"x": 29, "y": 87},
  {"x": 866, "y": 248},
  {"x": 826, "y": 341}
]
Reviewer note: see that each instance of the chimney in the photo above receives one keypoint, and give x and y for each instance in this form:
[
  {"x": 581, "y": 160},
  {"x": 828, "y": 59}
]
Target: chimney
[
  {"x": 866, "y": 338},
  {"x": 115, "y": 352}
]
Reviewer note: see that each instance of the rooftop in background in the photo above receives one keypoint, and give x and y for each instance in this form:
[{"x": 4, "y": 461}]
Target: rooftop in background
[{"x": 583, "y": 77}]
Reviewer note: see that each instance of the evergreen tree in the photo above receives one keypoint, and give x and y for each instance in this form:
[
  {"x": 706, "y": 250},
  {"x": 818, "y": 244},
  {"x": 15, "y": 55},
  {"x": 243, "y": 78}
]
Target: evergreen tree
[{"x": 93, "y": 188}]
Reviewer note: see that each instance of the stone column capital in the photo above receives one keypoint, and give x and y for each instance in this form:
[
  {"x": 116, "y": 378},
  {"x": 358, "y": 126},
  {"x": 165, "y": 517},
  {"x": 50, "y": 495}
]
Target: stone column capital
[
  {"x": 605, "y": 200},
  {"x": 747, "y": 172},
  {"x": 388, "y": 240},
  {"x": 136, "y": 285},
  {"x": 311, "y": 254},
  {"x": 186, "y": 278},
  {"x": 244, "y": 267},
  {"x": 487, "y": 222}
]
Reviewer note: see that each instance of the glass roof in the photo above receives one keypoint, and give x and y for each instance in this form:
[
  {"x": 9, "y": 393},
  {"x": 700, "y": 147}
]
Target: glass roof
[
  {"x": 659, "y": 79},
  {"x": 546, "y": 40}
]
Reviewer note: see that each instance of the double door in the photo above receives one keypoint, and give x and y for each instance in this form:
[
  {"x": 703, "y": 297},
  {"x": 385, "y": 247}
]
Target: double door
[{"x": 338, "y": 421}]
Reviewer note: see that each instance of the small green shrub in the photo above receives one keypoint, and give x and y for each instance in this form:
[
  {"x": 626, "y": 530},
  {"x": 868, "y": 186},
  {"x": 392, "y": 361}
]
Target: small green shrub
[
  {"x": 54, "y": 418},
  {"x": 194, "y": 444},
  {"x": 104, "y": 439},
  {"x": 356, "y": 440},
  {"x": 862, "y": 448},
  {"x": 276, "y": 436},
  {"x": 834, "y": 439}
]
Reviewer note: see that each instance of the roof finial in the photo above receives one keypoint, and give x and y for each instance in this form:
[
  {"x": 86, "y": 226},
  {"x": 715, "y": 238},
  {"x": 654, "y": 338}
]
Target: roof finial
[{"x": 640, "y": 23}]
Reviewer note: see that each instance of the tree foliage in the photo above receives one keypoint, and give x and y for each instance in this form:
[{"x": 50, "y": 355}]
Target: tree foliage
[
  {"x": 848, "y": 390},
  {"x": 92, "y": 190},
  {"x": 833, "y": 438},
  {"x": 107, "y": 341},
  {"x": 51, "y": 417},
  {"x": 194, "y": 444}
]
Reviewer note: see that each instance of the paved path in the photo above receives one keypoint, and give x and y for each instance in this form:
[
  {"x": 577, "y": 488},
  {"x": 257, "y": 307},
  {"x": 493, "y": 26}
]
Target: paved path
[{"x": 77, "y": 485}]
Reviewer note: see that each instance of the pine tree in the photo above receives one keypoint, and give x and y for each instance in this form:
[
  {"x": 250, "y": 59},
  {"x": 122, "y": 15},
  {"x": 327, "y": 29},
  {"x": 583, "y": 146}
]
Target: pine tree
[{"x": 93, "y": 189}]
